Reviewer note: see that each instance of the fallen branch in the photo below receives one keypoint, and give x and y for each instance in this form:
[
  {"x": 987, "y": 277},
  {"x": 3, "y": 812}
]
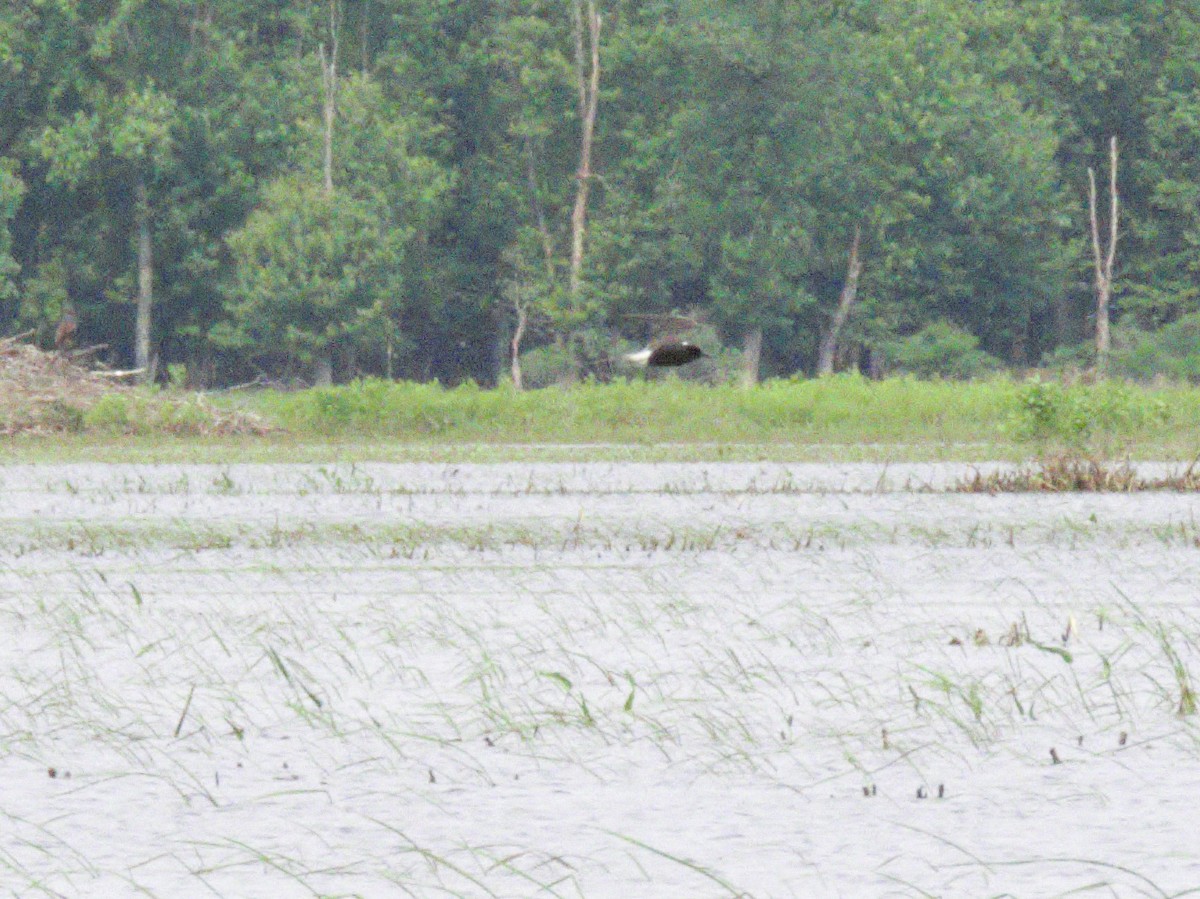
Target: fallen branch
[
  {"x": 88, "y": 351},
  {"x": 21, "y": 336},
  {"x": 128, "y": 373}
]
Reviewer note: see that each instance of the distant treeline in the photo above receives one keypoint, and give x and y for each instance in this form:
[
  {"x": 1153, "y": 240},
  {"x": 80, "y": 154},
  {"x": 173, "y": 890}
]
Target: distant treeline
[{"x": 317, "y": 189}]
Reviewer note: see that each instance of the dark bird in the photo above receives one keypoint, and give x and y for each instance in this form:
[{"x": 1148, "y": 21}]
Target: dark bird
[
  {"x": 668, "y": 352},
  {"x": 64, "y": 334}
]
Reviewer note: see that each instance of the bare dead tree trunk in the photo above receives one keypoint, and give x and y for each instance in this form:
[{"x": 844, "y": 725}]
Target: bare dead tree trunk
[
  {"x": 588, "y": 82},
  {"x": 323, "y": 365},
  {"x": 145, "y": 299},
  {"x": 751, "y": 356},
  {"x": 1104, "y": 258},
  {"x": 828, "y": 348}
]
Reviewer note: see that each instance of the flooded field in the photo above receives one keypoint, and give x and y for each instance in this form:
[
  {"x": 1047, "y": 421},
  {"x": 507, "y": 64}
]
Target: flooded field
[{"x": 601, "y": 680}]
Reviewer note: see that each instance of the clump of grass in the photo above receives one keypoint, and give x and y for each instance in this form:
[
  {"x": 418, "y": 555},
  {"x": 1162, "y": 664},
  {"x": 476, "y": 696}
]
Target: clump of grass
[{"x": 1069, "y": 472}]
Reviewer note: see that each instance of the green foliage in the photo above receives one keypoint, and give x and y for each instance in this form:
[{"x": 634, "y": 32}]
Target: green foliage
[
  {"x": 1071, "y": 358},
  {"x": 1084, "y": 416},
  {"x": 315, "y": 266},
  {"x": 141, "y": 413},
  {"x": 11, "y": 191},
  {"x": 841, "y": 417},
  {"x": 941, "y": 349},
  {"x": 548, "y": 365},
  {"x": 842, "y": 408},
  {"x": 307, "y": 270},
  {"x": 739, "y": 146},
  {"x": 61, "y": 416},
  {"x": 1171, "y": 352},
  {"x": 111, "y": 413}
]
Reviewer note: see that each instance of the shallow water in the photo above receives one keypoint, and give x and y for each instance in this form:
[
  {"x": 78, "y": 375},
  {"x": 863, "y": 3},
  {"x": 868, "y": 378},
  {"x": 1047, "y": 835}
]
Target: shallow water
[{"x": 596, "y": 680}]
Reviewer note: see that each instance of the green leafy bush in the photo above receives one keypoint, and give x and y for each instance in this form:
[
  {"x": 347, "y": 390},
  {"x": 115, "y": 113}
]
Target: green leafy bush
[
  {"x": 1082, "y": 415},
  {"x": 546, "y": 366},
  {"x": 942, "y": 350},
  {"x": 1171, "y": 352},
  {"x": 109, "y": 413}
]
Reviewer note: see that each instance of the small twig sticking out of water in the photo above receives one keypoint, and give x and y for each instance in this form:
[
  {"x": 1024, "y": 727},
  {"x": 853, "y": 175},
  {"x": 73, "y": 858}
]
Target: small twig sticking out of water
[
  {"x": 1054, "y": 756},
  {"x": 187, "y": 705}
]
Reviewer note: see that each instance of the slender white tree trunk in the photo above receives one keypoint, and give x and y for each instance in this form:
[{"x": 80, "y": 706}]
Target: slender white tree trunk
[
  {"x": 329, "y": 87},
  {"x": 522, "y": 320},
  {"x": 829, "y": 342},
  {"x": 323, "y": 364},
  {"x": 588, "y": 83},
  {"x": 145, "y": 298},
  {"x": 1104, "y": 258}
]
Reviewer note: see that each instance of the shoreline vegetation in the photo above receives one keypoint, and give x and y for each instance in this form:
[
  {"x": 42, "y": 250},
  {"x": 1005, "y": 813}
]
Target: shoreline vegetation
[{"x": 842, "y": 418}]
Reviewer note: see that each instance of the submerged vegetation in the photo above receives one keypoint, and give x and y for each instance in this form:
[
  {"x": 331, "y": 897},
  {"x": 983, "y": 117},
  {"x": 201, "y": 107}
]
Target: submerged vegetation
[
  {"x": 1071, "y": 472},
  {"x": 438, "y": 667}
]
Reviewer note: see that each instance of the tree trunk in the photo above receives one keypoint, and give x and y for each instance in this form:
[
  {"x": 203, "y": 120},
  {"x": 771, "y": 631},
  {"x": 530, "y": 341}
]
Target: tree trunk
[
  {"x": 323, "y": 368},
  {"x": 518, "y": 333},
  {"x": 876, "y": 364},
  {"x": 751, "y": 356},
  {"x": 145, "y": 298},
  {"x": 1104, "y": 259},
  {"x": 323, "y": 363},
  {"x": 329, "y": 94},
  {"x": 828, "y": 348},
  {"x": 588, "y": 83}
]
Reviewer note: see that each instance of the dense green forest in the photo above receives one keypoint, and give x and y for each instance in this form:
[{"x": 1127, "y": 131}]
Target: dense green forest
[{"x": 292, "y": 189}]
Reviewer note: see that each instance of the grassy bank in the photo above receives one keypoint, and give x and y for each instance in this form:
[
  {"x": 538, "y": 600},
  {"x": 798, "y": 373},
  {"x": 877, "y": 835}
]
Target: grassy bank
[
  {"x": 837, "y": 418},
  {"x": 834, "y": 410}
]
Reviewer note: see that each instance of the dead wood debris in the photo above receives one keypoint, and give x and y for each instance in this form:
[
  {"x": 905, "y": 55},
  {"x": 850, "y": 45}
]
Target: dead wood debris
[{"x": 48, "y": 393}]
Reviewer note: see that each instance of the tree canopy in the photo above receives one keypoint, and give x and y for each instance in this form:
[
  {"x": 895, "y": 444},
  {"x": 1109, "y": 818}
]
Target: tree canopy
[{"x": 259, "y": 189}]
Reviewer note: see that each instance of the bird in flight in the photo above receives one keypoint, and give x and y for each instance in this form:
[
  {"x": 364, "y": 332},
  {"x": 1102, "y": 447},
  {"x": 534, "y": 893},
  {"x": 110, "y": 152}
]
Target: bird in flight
[{"x": 666, "y": 353}]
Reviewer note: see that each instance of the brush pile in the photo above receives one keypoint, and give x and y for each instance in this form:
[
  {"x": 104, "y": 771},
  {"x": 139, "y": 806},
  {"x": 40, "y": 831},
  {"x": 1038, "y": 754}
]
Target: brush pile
[{"x": 45, "y": 393}]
